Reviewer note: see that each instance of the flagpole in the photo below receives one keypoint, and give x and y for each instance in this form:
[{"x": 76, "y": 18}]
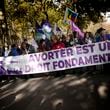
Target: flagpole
[{"x": 68, "y": 29}]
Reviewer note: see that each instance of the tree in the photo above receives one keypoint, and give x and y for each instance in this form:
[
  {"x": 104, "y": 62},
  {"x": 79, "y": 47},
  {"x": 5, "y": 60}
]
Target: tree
[
  {"x": 4, "y": 25},
  {"x": 24, "y": 12}
]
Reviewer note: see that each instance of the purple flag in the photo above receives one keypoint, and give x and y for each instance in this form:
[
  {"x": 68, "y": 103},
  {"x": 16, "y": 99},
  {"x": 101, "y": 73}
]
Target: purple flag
[{"x": 74, "y": 27}]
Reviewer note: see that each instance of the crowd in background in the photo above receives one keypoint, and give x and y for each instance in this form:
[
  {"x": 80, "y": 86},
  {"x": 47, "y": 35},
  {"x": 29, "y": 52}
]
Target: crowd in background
[{"x": 55, "y": 42}]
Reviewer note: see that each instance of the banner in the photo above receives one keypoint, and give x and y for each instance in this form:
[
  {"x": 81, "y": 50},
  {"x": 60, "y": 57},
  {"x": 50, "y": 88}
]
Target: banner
[{"x": 55, "y": 60}]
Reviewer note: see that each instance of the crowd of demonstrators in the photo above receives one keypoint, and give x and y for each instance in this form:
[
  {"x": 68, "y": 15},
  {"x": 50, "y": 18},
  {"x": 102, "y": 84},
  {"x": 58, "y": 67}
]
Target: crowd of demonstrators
[
  {"x": 16, "y": 49},
  {"x": 54, "y": 42},
  {"x": 64, "y": 41}
]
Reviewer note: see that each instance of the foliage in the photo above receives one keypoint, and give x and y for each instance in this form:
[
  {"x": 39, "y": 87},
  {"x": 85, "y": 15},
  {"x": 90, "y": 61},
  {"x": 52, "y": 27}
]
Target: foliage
[
  {"x": 54, "y": 16},
  {"x": 32, "y": 11}
]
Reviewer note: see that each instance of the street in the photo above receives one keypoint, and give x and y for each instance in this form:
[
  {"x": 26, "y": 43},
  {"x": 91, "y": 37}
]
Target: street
[{"x": 72, "y": 92}]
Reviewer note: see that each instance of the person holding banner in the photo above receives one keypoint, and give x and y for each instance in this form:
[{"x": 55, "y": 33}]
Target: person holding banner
[
  {"x": 68, "y": 40},
  {"x": 15, "y": 50},
  {"x": 88, "y": 38},
  {"x": 56, "y": 43},
  {"x": 26, "y": 48},
  {"x": 42, "y": 46},
  {"x": 101, "y": 35}
]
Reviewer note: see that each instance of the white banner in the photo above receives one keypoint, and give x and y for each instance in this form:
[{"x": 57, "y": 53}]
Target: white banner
[{"x": 55, "y": 60}]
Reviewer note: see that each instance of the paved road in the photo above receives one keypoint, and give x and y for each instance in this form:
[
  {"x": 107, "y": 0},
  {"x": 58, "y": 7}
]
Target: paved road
[{"x": 71, "y": 92}]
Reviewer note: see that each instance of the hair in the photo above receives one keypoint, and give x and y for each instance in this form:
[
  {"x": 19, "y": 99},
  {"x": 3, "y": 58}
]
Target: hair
[
  {"x": 55, "y": 38},
  {"x": 41, "y": 41},
  {"x": 24, "y": 39},
  {"x": 22, "y": 45},
  {"x": 13, "y": 45}
]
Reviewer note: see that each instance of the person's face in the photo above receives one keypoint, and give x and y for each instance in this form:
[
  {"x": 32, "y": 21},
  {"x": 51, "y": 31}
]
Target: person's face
[
  {"x": 24, "y": 45},
  {"x": 87, "y": 35},
  {"x": 67, "y": 38},
  {"x": 25, "y": 41},
  {"x": 103, "y": 32},
  {"x": 43, "y": 43},
  {"x": 55, "y": 40},
  {"x": 18, "y": 45}
]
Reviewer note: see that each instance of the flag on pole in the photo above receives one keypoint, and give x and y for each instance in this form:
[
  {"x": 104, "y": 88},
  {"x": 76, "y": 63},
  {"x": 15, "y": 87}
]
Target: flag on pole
[
  {"x": 47, "y": 29},
  {"x": 70, "y": 18},
  {"x": 43, "y": 31},
  {"x": 75, "y": 28},
  {"x": 57, "y": 30},
  {"x": 70, "y": 15}
]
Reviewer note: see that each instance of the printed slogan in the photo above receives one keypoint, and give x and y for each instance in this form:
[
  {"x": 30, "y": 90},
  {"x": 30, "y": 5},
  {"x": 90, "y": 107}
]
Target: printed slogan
[{"x": 56, "y": 60}]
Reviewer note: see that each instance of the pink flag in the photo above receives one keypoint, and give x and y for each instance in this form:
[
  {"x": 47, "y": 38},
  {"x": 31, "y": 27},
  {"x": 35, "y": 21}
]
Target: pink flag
[{"x": 76, "y": 28}]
